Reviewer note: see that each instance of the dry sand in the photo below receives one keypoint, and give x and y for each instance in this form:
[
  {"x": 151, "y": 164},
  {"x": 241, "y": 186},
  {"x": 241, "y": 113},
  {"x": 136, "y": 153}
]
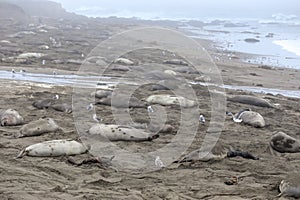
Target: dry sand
[{"x": 54, "y": 178}]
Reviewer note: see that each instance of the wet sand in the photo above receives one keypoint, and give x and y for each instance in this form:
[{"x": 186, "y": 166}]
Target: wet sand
[{"x": 55, "y": 178}]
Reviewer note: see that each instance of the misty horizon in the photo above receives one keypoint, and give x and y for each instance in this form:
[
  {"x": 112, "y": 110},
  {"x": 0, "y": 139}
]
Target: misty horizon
[{"x": 190, "y": 9}]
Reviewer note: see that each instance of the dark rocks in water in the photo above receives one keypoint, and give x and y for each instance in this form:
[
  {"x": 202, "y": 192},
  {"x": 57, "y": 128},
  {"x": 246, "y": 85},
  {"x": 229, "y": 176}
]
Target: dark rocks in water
[{"x": 251, "y": 40}]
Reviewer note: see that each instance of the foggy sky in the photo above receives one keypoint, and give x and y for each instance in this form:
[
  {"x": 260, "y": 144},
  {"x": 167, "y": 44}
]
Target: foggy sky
[{"x": 189, "y": 8}]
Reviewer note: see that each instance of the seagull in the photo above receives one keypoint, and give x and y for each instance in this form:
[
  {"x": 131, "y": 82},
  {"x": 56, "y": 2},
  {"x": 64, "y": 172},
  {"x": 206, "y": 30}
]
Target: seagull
[
  {"x": 150, "y": 109},
  {"x": 56, "y": 96},
  {"x": 238, "y": 119},
  {"x": 158, "y": 162},
  {"x": 202, "y": 119},
  {"x": 96, "y": 119},
  {"x": 13, "y": 71},
  {"x": 54, "y": 73},
  {"x": 22, "y": 71},
  {"x": 90, "y": 107},
  {"x": 43, "y": 62}
]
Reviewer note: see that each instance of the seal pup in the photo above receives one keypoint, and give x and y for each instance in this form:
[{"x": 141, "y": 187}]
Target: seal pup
[
  {"x": 54, "y": 148},
  {"x": 121, "y": 133},
  {"x": 250, "y": 100},
  {"x": 290, "y": 187},
  {"x": 10, "y": 117},
  {"x": 176, "y": 62},
  {"x": 168, "y": 100},
  {"x": 39, "y": 127},
  {"x": 62, "y": 107},
  {"x": 249, "y": 117},
  {"x": 283, "y": 143}
]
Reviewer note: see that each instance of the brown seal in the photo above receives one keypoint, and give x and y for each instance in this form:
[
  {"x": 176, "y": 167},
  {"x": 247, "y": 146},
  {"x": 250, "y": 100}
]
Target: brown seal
[{"x": 284, "y": 143}]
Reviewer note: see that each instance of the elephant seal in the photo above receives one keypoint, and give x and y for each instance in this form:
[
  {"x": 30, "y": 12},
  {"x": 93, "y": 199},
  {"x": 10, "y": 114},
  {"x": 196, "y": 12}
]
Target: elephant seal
[
  {"x": 62, "y": 107},
  {"x": 121, "y": 133},
  {"x": 165, "y": 85},
  {"x": 158, "y": 75},
  {"x": 252, "y": 118},
  {"x": 290, "y": 187},
  {"x": 167, "y": 100},
  {"x": 199, "y": 155},
  {"x": 10, "y": 117},
  {"x": 43, "y": 104},
  {"x": 102, "y": 93},
  {"x": 284, "y": 143},
  {"x": 176, "y": 62},
  {"x": 54, "y": 148},
  {"x": 124, "y": 61},
  {"x": 120, "y": 101},
  {"x": 250, "y": 100},
  {"x": 39, "y": 127}
]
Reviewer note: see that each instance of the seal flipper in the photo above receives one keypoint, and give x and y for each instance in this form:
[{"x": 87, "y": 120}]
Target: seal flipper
[{"x": 22, "y": 153}]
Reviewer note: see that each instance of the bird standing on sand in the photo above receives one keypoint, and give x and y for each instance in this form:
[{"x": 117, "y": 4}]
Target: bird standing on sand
[
  {"x": 96, "y": 119},
  {"x": 202, "y": 119},
  {"x": 237, "y": 118},
  {"x": 56, "y": 96},
  {"x": 158, "y": 162},
  {"x": 150, "y": 109},
  {"x": 90, "y": 107}
]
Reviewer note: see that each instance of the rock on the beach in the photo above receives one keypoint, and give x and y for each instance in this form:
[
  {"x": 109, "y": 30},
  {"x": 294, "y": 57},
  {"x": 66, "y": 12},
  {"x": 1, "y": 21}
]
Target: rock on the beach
[
  {"x": 54, "y": 148},
  {"x": 10, "y": 117},
  {"x": 283, "y": 143},
  {"x": 39, "y": 127},
  {"x": 253, "y": 118},
  {"x": 124, "y": 61},
  {"x": 121, "y": 133},
  {"x": 167, "y": 100},
  {"x": 250, "y": 100}
]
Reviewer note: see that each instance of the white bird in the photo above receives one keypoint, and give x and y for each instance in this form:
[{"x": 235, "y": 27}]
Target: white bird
[
  {"x": 202, "y": 119},
  {"x": 90, "y": 107},
  {"x": 22, "y": 71},
  {"x": 237, "y": 118},
  {"x": 96, "y": 119},
  {"x": 56, "y": 96},
  {"x": 43, "y": 62},
  {"x": 158, "y": 162},
  {"x": 150, "y": 109}
]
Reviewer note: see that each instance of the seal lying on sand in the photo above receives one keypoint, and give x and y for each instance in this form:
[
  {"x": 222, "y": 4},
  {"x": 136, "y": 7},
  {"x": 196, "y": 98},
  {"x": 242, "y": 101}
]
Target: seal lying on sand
[
  {"x": 120, "y": 101},
  {"x": 102, "y": 93},
  {"x": 284, "y": 143},
  {"x": 167, "y": 100},
  {"x": 121, "y": 133},
  {"x": 124, "y": 61},
  {"x": 39, "y": 127},
  {"x": 252, "y": 118},
  {"x": 290, "y": 187},
  {"x": 62, "y": 107},
  {"x": 43, "y": 104},
  {"x": 176, "y": 62},
  {"x": 54, "y": 148},
  {"x": 204, "y": 156},
  {"x": 250, "y": 100},
  {"x": 10, "y": 117}
]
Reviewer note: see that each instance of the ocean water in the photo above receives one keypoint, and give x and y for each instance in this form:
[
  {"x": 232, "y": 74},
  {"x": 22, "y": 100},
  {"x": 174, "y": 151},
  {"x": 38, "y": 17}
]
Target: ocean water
[{"x": 272, "y": 42}]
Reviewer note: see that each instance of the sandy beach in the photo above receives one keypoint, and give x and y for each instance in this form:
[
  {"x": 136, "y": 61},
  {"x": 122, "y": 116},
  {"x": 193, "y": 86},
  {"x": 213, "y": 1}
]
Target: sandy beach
[{"x": 56, "y": 178}]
